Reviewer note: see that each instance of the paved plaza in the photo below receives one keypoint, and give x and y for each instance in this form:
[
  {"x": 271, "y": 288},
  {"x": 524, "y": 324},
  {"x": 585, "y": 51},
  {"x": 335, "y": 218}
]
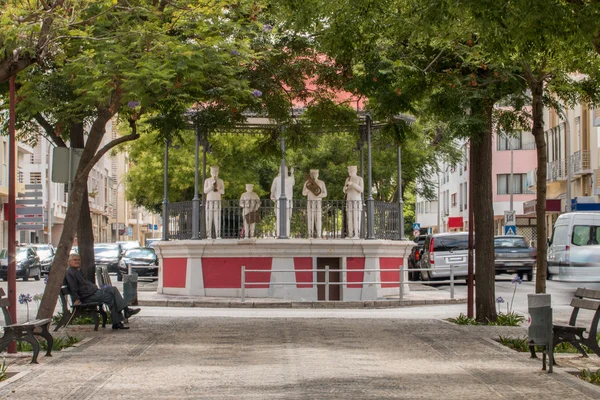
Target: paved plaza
[{"x": 230, "y": 356}]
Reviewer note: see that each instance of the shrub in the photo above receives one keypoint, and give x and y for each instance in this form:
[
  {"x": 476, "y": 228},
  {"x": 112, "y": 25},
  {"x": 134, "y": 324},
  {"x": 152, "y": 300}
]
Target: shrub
[
  {"x": 462, "y": 319},
  {"x": 589, "y": 376},
  {"x": 59, "y": 344}
]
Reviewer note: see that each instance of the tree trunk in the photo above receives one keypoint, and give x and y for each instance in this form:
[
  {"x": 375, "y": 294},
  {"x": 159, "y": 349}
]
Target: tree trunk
[
  {"x": 76, "y": 197},
  {"x": 483, "y": 208},
  {"x": 85, "y": 231},
  {"x": 537, "y": 91}
]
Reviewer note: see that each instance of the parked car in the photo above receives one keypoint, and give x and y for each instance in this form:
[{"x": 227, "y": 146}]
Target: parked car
[
  {"x": 442, "y": 250},
  {"x": 28, "y": 263},
  {"x": 415, "y": 257},
  {"x": 129, "y": 244},
  {"x": 150, "y": 242},
  {"x": 139, "y": 257},
  {"x": 514, "y": 255},
  {"x": 46, "y": 254},
  {"x": 574, "y": 251},
  {"x": 109, "y": 255}
]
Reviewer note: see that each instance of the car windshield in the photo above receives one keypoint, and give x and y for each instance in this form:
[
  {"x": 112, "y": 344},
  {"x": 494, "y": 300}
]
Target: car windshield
[
  {"x": 140, "y": 253},
  {"x": 44, "y": 252},
  {"x": 516, "y": 242},
  {"x": 451, "y": 243},
  {"x": 106, "y": 251}
]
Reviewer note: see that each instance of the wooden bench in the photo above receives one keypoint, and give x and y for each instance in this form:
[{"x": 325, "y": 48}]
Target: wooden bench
[
  {"x": 71, "y": 311},
  {"x": 586, "y": 299},
  {"x": 26, "y": 331}
]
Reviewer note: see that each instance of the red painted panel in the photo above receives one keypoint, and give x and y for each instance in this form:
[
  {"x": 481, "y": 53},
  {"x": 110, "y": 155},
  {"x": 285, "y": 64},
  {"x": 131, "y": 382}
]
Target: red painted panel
[
  {"x": 226, "y": 272},
  {"x": 174, "y": 272},
  {"x": 303, "y": 263},
  {"x": 390, "y": 276},
  {"x": 357, "y": 263}
]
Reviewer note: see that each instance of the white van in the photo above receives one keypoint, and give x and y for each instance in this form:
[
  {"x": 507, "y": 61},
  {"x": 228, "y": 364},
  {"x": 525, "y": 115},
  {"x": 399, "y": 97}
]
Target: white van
[{"x": 574, "y": 251}]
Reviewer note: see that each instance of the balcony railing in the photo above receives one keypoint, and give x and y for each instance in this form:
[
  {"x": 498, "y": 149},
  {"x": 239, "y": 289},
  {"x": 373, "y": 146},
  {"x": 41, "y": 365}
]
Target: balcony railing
[
  {"x": 580, "y": 162},
  {"x": 333, "y": 219},
  {"x": 557, "y": 170}
]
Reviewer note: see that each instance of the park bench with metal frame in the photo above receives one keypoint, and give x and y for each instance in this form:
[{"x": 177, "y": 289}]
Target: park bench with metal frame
[
  {"x": 586, "y": 299},
  {"x": 26, "y": 331},
  {"x": 72, "y": 311}
]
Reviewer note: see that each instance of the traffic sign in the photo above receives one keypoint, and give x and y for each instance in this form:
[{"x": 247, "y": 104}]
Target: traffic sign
[
  {"x": 417, "y": 226},
  {"x": 510, "y": 218},
  {"x": 510, "y": 230},
  {"x": 416, "y": 233}
]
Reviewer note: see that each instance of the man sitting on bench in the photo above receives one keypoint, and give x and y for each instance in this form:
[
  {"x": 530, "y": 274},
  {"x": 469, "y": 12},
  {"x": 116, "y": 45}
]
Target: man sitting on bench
[{"x": 84, "y": 290}]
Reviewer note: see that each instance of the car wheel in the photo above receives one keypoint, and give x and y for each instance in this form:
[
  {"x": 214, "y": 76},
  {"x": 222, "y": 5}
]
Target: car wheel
[
  {"x": 119, "y": 277},
  {"x": 39, "y": 274},
  {"x": 520, "y": 275},
  {"x": 530, "y": 276},
  {"x": 26, "y": 276}
]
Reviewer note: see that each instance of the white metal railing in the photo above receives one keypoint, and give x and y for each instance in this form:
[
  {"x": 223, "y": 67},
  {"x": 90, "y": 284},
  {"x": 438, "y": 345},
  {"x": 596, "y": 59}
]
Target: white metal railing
[{"x": 327, "y": 281}]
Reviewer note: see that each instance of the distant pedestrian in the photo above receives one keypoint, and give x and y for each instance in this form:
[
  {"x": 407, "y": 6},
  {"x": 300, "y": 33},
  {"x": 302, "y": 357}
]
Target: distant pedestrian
[{"x": 82, "y": 290}]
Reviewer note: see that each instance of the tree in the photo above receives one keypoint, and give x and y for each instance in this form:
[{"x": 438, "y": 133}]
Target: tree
[{"x": 135, "y": 59}]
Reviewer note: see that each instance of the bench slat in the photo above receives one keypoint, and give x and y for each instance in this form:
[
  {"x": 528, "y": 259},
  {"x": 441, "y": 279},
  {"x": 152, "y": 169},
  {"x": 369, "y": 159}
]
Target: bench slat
[
  {"x": 33, "y": 324},
  {"x": 589, "y": 293},
  {"x": 585, "y": 304}
]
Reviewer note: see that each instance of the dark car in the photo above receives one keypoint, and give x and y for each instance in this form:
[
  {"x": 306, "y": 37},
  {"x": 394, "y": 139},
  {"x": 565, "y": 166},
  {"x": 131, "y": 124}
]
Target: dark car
[
  {"x": 143, "y": 261},
  {"x": 514, "y": 255},
  {"x": 28, "y": 264},
  {"x": 46, "y": 254},
  {"x": 109, "y": 255},
  {"x": 415, "y": 257}
]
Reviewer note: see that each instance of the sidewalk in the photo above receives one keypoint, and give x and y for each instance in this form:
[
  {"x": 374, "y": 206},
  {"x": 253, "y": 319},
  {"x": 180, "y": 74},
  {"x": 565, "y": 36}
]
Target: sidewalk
[
  {"x": 293, "y": 358},
  {"x": 418, "y": 295}
]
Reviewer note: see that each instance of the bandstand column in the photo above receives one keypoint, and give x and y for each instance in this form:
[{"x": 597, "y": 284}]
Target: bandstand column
[
  {"x": 400, "y": 201},
  {"x": 203, "y": 203},
  {"x": 370, "y": 200},
  {"x": 282, "y": 198},
  {"x": 196, "y": 199},
  {"x": 165, "y": 203}
]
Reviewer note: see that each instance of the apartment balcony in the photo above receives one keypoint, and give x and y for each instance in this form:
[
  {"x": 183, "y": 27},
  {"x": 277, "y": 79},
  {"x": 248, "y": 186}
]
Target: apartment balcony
[
  {"x": 580, "y": 163},
  {"x": 557, "y": 171}
]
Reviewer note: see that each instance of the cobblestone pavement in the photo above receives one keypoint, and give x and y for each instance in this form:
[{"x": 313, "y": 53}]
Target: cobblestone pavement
[{"x": 292, "y": 358}]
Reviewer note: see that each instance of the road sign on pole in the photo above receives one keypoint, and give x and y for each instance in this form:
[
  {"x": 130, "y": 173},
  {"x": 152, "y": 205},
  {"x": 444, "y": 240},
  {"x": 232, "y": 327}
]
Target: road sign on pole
[
  {"x": 416, "y": 233},
  {"x": 417, "y": 226},
  {"x": 510, "y": 218},
  {"x": 510, "y": 230}
]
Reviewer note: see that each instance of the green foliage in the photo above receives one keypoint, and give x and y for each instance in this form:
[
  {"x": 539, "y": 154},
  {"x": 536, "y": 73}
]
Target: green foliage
[
  {"x": 59, "y": 344},
  {"x": 522, "y": 344},
  {"x": 3, "y": 369},
  {"x": 462, "y": 319},
  {"x": 81, "y": 320},
  {"x": 589, "y": 376},
  {"x": 509, "y": 319}
]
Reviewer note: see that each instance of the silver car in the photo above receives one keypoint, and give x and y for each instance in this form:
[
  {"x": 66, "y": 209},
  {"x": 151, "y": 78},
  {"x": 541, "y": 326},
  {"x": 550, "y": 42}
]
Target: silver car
[{"x": 442, "y": 251}]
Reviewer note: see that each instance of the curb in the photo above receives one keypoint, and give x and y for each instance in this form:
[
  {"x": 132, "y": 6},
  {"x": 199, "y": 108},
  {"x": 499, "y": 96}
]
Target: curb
[{"x": 296, "y": 304}]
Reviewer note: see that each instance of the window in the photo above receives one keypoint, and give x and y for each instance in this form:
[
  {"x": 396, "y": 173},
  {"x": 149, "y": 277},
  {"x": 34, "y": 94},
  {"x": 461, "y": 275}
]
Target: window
[
  {"x": 453, "y": 199},
  {"x": 509, "y": 142},
  {"x": 35, "y": 177},
  {"x": 585, "y": 235},
  {"x": 519, "y": 184}
]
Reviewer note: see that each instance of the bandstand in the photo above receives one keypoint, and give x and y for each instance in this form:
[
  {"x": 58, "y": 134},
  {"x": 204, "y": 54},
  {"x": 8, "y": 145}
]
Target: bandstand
[{"x": 283, "y": 261}]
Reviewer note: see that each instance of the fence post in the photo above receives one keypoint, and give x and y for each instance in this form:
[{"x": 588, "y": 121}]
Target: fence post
[
  {"x": 243, "y": 283},
  {"x": 401, "y": 284},
  {"x": 452, "y": 281},
  {"x": 327, "y": 283}
]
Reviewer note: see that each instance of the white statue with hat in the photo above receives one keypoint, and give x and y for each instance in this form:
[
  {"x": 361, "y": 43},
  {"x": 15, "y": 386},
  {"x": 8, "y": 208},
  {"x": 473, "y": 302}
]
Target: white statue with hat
[
  {"x": 314, "y": 190},
  {"x": 250, "y": 203},
  {"x": 353, "y": 188},
  {"x": 214, "y": 188},
  {"x": 289, "y": 195}
]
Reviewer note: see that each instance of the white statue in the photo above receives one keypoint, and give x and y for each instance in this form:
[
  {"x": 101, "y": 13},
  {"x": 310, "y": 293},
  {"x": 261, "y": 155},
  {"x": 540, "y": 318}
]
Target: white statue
[
  {"x": 289, "y": 194},
  {"x": 250, "y": 203},
  {"x": 213, "y": 188},
  {"x": 353, "y": 189},
  {"x": 315, "y": 190}
]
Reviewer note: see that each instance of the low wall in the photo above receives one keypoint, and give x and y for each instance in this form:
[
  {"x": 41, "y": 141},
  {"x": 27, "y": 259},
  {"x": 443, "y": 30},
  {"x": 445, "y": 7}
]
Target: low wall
[{"x": 213, "y": 268}]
